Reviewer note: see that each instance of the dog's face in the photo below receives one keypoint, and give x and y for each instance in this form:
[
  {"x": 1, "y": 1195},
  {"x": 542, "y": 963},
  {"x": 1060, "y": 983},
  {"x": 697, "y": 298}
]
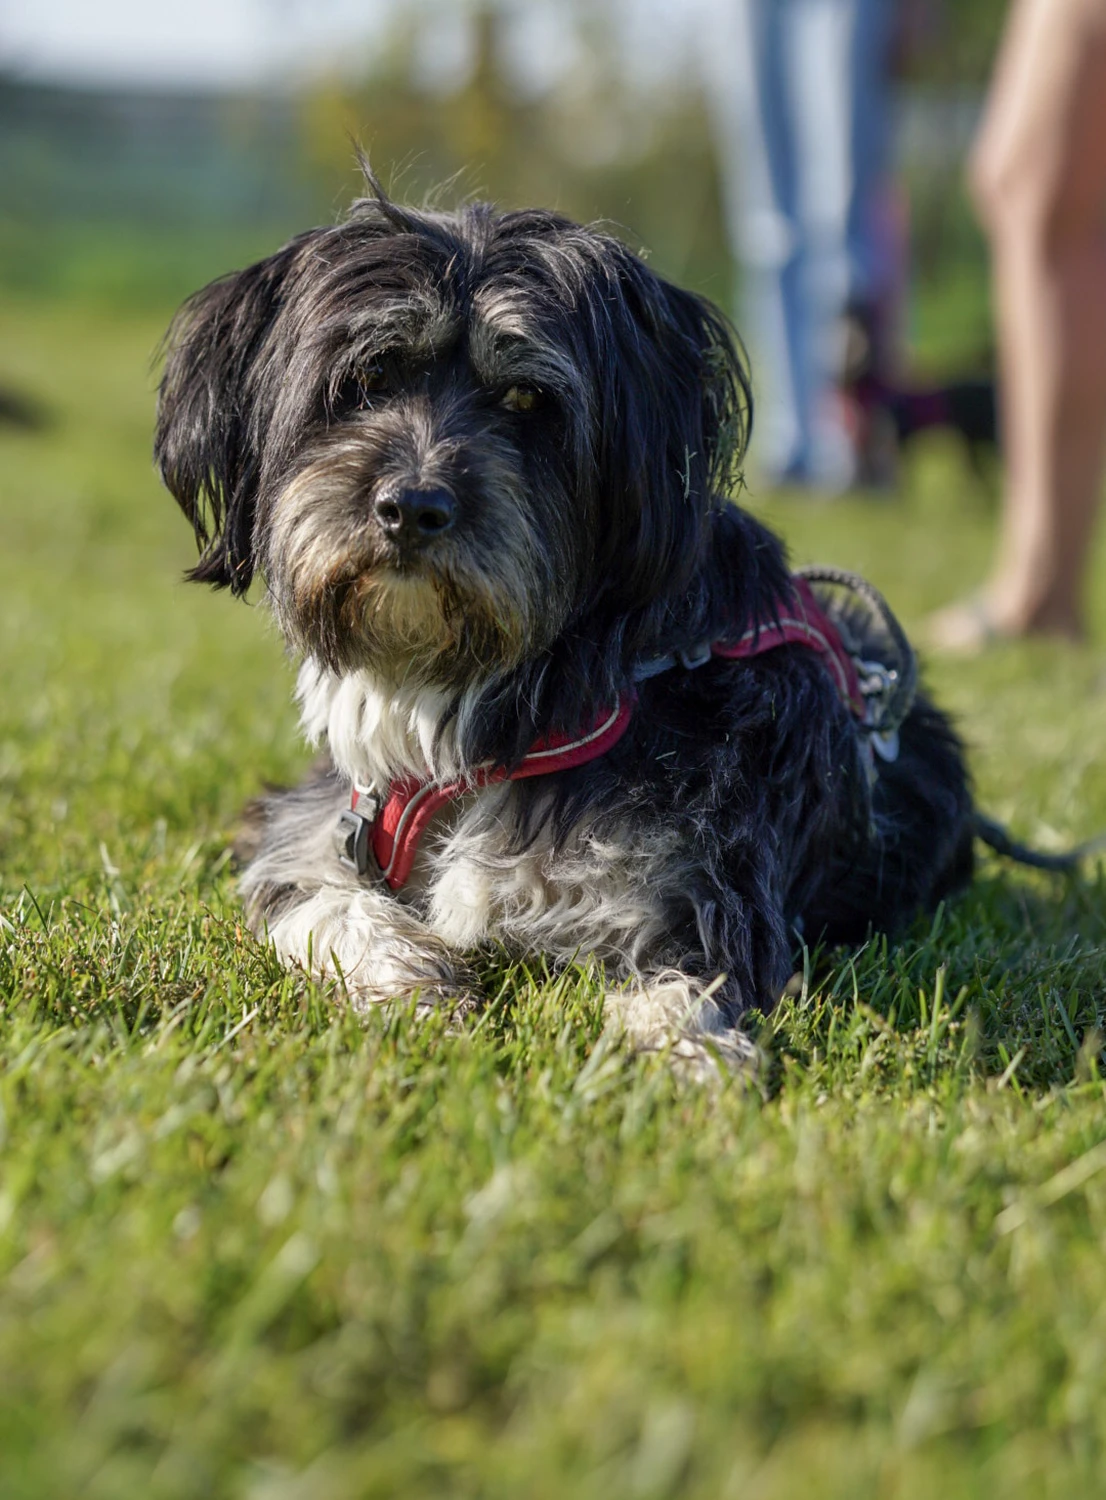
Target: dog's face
[{"x": 446, "y": 439}]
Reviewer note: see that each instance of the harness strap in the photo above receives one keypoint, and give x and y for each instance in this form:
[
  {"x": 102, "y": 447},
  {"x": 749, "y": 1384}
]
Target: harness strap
[
  {"x": 397, "y": 822},
  {"x": 385, "y": 830},
  {"x": 802, "y": 622}
]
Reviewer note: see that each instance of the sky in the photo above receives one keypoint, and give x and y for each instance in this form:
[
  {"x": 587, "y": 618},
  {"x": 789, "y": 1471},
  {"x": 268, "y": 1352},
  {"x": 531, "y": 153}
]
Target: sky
[
  {"x": 184, "y": 42},
  {"x": 227, "y": 43}
]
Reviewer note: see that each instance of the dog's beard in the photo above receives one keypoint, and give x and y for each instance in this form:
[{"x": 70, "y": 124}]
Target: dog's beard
[
  {"x": 423, "y": 624},
  {"x": 463, "y": 610}
]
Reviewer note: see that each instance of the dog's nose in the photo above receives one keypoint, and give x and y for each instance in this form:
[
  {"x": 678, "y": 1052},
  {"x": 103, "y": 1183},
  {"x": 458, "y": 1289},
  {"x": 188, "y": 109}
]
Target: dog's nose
[{"x": 414, "y": 517}]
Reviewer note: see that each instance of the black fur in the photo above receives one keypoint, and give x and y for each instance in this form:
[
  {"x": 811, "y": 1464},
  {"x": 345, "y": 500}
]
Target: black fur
[{"x": 382, "y": 356}]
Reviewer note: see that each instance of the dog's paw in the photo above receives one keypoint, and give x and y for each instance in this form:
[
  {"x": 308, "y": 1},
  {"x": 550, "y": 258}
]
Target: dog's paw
[
  {"x": 710, "y": 1057},
  {"x": 457, "y": 1001},
  {"x": 678, "y": 1016},
  {"x": 427, "y": 984},
  {"x": 377, "y": 951},
  {"x": 455, "y": 994}
]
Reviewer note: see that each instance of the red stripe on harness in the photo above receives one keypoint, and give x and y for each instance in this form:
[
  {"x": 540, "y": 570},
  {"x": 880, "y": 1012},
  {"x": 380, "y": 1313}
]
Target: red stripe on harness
[
  {"x": 801, "y": 621},
  {"x": 411, "y": 803}
]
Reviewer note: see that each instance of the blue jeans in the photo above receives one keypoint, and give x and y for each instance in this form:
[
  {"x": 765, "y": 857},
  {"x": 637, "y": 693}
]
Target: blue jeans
[{"x": 802, "y": 103}]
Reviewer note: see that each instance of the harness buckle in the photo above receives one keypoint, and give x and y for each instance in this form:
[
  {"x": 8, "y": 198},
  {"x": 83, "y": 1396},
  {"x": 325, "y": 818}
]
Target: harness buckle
[
  {"x": 353, "y": 833},
  {"x": 877, "y": 684},
  {"x": 351, "y": 840}
]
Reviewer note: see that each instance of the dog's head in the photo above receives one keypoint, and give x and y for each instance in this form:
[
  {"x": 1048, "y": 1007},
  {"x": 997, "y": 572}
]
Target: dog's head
[{"x": 446, "y": 439}]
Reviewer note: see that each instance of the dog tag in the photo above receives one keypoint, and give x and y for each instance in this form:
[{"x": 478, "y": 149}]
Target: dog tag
[{"x": 886, "y": 745}]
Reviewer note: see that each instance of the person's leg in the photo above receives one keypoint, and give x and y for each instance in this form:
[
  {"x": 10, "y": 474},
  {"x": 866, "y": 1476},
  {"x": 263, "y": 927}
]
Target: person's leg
[
  {"x": 836, "y": 66},
  {"x": 872, "y": 249},
  {"x": 1039, "y": 178},
  {"x": 742, "y": 60}
]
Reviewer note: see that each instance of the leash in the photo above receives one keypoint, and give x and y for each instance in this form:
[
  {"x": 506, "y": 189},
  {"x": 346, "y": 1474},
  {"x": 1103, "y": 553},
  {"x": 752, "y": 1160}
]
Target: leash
[{"x": 380, "y": 831}]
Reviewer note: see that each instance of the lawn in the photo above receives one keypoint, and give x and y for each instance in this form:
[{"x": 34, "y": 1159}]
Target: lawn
[{"x": 251, "y": 1246}]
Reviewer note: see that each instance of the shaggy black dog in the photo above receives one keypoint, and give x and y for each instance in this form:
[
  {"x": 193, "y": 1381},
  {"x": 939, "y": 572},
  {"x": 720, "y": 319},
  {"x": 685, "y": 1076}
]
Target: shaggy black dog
[{"x": 482, "y": 462}]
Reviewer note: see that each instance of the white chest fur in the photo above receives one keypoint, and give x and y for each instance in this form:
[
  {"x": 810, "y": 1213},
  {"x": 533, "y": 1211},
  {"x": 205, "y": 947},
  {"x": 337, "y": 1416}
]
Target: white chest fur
[{"x": 607, "y": 896}]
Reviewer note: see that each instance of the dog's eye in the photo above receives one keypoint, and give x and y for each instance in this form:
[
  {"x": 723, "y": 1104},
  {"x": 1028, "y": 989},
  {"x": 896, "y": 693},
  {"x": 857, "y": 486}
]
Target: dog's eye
[
  {"x": 521, "y": 398},
  {"x": 362, "y": 388},
  {"x": 367, "y": 382},
  {"x": 373, "y": 378}
]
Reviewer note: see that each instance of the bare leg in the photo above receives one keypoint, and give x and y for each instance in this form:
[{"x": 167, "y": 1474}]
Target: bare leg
[{"x": 1039, "y": 178}]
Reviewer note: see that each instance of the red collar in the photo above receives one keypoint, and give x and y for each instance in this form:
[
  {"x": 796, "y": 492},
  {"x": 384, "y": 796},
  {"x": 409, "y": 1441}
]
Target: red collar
[{"x": 385, "y": 832}]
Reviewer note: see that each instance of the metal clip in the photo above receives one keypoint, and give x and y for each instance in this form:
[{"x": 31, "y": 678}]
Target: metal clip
[
  {"x": 352, "y": 841},
  {"x": 877, "y": 682},
  {"x": 353, "y": 834},
  {"x": 695, "y": 656}
]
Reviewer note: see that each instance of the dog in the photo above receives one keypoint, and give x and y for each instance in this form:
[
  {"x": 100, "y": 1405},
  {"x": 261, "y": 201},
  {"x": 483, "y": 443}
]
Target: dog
[{"x": 570, "y": 694}]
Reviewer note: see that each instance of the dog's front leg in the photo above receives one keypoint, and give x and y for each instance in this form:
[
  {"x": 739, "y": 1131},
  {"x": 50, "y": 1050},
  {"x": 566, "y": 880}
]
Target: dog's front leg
[
  {"x": 380, "y": 949},
  {"x": 725, "y": 931},
  {"x": 321, "y": 917}
]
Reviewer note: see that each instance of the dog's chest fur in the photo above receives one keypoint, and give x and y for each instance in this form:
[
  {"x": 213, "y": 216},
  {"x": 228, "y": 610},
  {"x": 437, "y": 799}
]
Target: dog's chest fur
[{"x": 606, "y": 893}]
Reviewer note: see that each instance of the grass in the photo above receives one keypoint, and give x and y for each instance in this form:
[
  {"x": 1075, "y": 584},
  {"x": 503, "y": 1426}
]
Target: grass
[{"x": 252, "y": 1247}]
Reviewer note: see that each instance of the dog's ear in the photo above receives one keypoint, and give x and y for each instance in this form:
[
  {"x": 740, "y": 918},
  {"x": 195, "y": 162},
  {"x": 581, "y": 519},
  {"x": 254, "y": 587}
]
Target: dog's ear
[
  {"x": 676, "y": 410},
  {"x": 210, "y": 423}
]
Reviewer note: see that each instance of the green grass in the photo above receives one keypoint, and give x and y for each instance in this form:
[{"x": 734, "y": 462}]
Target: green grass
[{"x": 252, "y": 1247}]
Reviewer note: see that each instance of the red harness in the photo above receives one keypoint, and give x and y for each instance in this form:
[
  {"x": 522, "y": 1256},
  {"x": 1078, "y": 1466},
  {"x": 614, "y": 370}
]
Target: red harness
[
  {"x": 386, "y": 832},
  {"x": 398, "y": 823}
]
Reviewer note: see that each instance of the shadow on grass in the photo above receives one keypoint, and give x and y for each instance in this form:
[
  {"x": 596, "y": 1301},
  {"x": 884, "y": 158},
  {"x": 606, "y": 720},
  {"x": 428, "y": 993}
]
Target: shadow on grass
[{"x": 1006, "y": 982}]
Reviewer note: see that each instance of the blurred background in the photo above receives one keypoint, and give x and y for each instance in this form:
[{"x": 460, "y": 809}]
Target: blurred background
[{"x": 144, "y": 149}]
